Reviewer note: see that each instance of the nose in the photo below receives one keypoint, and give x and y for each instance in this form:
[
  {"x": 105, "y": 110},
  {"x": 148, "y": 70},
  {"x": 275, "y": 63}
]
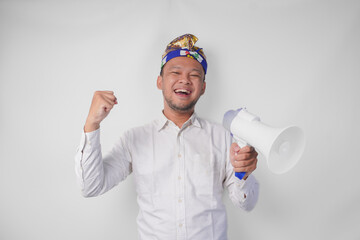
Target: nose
[{"x": 185, "y": 79}]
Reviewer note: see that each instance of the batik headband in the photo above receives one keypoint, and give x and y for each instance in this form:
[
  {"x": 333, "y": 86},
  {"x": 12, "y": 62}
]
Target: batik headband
[{"x": 184, "y": 46}]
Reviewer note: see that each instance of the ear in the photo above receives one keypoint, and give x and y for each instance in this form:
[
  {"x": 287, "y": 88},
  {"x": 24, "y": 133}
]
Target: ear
[
  {"x": 203, "y": 88},
  {"x": 159, "y": 82}
]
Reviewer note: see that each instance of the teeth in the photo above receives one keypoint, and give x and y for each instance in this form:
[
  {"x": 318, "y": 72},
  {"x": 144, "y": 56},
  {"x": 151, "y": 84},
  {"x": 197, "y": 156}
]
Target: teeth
[{"x": 182, "y": 91}]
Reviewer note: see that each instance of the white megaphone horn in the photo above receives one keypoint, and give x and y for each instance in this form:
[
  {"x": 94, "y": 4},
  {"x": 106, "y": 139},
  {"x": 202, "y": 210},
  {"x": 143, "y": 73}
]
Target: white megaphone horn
[{"x": 282, "y": 147}]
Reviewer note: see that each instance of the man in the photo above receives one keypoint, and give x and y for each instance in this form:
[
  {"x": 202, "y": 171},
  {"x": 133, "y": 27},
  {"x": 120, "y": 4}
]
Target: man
[{"x": 181, "y": 163}]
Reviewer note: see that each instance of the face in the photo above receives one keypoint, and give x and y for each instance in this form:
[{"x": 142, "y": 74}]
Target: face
[{"x": 182, "y": 84}]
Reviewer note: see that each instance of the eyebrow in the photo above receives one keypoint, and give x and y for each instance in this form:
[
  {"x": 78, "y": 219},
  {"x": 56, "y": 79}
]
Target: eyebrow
[{"x": 197, "y": 70}]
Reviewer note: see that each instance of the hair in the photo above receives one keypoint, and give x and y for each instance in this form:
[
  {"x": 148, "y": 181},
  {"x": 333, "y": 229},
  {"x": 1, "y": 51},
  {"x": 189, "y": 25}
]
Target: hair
[{"x": 161, "y": 71}]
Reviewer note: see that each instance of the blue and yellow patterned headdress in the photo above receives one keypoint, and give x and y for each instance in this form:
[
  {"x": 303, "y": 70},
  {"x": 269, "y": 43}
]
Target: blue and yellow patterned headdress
[{"x": 184, "y": 46}]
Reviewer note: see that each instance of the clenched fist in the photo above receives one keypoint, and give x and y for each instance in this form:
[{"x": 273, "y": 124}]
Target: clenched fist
[
  {"x": 102, "y": 103},
  {"x": 243, "y": 159}
]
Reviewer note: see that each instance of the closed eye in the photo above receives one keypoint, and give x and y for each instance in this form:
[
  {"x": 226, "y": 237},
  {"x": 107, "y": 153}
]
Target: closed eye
[{"x": 195, "y": 76}]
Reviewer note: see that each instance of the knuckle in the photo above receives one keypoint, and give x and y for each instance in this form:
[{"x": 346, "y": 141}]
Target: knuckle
[
  {"x": 238, "y": 164},
  {"x": 233, "y": 146}
]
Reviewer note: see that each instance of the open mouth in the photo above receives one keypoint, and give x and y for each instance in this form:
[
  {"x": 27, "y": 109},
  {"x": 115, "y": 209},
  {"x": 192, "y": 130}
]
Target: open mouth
[{"x": 182, "y": 92}]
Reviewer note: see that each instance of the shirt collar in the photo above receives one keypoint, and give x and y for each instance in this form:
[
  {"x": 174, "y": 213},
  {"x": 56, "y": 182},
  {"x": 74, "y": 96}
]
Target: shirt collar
[{"x": 163, "y": 122}]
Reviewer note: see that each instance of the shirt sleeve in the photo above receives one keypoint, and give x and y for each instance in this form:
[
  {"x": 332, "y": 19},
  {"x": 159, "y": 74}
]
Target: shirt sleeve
[
  {"x": 96, "y": 174},
  {"x": 243, "y": 193}
]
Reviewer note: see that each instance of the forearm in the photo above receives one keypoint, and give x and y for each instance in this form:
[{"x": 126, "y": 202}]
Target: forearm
[{"x": 90, "y": 127}]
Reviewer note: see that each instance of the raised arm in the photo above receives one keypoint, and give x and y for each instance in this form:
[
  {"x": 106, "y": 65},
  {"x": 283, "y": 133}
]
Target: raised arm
[{"x": 95, "y": 174}]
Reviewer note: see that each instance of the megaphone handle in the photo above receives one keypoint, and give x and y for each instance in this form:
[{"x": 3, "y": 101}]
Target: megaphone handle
[{"x": 241, "y": 143}]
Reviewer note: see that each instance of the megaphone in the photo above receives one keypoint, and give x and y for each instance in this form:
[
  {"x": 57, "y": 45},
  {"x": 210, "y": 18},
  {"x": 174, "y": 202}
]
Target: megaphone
[{"x": 282, "y": 147}]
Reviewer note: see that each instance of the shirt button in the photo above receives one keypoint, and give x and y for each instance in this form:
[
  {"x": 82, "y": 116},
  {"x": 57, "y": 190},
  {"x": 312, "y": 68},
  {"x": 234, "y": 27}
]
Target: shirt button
[
  {"x": 180, "y": 201},
  {"x": 180, "y": 225},
  {"x": 179, "y": 177},
  {"x": 179, "y": 155}
]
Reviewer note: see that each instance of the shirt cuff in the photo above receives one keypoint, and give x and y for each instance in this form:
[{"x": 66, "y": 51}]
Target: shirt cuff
[
  {"x": 90, "y": 139},
  {"x": 244, "y": 186}
]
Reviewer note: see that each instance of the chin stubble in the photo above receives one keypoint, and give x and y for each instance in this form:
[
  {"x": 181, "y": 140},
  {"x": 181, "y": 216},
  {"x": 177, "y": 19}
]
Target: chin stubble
[{"x": 185, "y": 108}]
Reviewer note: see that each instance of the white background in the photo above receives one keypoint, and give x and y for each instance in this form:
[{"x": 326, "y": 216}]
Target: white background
[{"x": 288, "y": 61}]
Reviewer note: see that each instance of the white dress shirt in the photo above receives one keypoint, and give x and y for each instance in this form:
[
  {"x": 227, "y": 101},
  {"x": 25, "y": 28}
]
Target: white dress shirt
[{"x": 180, "y": 177}]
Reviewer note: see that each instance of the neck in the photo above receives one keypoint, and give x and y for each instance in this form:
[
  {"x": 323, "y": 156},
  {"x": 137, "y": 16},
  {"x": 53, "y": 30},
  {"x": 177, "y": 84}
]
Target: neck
[{"x": 179, "y": 118}]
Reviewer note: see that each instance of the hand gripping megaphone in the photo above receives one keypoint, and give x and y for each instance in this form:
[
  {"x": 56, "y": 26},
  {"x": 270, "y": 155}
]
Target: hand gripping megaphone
[{"x": 282, "y": 147}]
